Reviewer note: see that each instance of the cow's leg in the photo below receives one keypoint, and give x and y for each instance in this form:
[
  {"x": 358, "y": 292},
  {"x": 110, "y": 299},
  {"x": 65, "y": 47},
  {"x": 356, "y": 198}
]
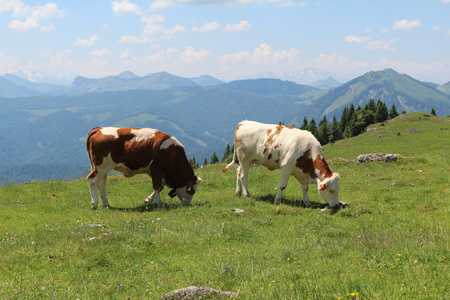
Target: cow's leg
[
  {"x": 242, "y": 177},
  {"x": 284, "y": 177},
  {"x": 239, "y": 181},
  {"x": 305, "y": 195},
  {"x": 93, "y": 190},
  {"x": 150, "y": 198},
  {"x": 156, "y": 195},
  {"x": 102, "y": 187}
]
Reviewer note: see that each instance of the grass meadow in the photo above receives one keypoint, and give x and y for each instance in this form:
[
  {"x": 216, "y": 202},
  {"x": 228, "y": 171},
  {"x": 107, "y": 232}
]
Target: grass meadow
[{"x": 391, "y": 242}]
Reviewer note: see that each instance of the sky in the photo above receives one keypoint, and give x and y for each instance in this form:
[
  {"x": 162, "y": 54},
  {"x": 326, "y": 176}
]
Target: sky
[{"x": 227, "y": 39}]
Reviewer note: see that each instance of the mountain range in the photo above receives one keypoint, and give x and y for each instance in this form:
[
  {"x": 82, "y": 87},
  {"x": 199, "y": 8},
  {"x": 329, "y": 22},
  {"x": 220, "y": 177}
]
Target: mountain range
[{"x": 43, "y": 126}]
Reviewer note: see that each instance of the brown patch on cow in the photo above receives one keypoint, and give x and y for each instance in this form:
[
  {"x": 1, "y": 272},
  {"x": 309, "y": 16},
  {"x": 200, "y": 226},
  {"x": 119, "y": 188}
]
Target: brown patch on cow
[
  {"x": 322, "y": 187},
  {"x": 290, "y": 127},
  {"x": 277, "y": 161},
  {"x": 269, "y": 131},
  {"x": 277, "y": 146},
  {"x": 305, "y": 163},
  {"x": 236, "y": 141},
  {"x": 270, "y": 156},
  {"x": 321, "y": 165},
  {"x": 272, "y": 137},
  {"x": 190, "y": 186}
]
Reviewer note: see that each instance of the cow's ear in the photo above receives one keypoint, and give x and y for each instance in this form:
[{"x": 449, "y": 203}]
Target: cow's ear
[
  {"x": 199, "y": 180},
  {"x": 322, "y": 187}
]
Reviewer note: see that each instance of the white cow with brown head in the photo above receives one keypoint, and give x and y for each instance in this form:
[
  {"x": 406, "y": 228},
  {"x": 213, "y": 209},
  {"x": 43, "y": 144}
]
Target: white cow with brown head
[
  {"x": 140, "y": 151},
  {"x": 296, "y": 152}
]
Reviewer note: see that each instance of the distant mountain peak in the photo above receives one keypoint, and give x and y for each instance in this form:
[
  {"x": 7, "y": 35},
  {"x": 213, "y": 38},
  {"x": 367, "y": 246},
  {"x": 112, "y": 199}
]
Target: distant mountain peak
[{"x": 127, "y": 75}]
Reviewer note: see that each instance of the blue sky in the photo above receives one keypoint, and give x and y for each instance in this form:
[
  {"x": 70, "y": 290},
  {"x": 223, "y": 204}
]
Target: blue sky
[{"x": 227, "y": 39}]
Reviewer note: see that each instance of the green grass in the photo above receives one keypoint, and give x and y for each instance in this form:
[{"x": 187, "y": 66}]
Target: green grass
[{"x": 391, "y": 242}]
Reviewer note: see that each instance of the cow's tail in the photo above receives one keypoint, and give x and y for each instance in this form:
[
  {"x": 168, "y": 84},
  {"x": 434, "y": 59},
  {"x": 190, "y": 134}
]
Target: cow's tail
[
  {"x": 233, "y": 162},
  {"x": 89, "y": 151}
]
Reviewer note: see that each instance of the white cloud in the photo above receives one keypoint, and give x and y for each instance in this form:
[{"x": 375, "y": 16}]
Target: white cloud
[
  {"x": 132, "y": 39},
  {"x": 161, "y": 4},
  {"x": 243, "y": 25},
  {"x": 356, "y": 39},
  {"x": 125, "y": 8},
  {"x": 212, "y": 26},
  {"x": 436, "y": 28},
  {"x": 173, "y": 58},
  {"x": 125, "y": 54},
  {"x": 16, "y": 6},
  {"x": 405, "y": 24},
  {"x": 33, "y": 15},
  {"x": 445, "y": 1},
  {"x": 102, "y": 52},
  {"x": 381, "y": 44},
  {"x": 165, "y": 33},
  {"x": 448, "y": 32},
  {"x": 264, "y": 55},
  {"x": 86, "y": 42},
  {"x": 152, "y": 29},
  {"x": 190, "y": 55}
]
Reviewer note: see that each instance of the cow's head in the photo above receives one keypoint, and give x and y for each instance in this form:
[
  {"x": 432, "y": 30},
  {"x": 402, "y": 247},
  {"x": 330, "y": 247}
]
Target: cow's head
[
  {"x": 185, "y": 193},
  {"x": 329, "y": 190}
]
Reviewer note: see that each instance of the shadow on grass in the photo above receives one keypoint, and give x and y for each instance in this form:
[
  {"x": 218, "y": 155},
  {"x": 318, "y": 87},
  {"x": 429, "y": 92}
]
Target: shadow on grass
[
  {"x": 289, "y": 201},
  {"x": 148, "y": 207}
]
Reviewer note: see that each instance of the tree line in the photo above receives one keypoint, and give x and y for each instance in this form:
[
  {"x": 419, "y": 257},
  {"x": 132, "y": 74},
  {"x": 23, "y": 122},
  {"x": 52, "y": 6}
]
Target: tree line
[{"x": 353, "y": 122}]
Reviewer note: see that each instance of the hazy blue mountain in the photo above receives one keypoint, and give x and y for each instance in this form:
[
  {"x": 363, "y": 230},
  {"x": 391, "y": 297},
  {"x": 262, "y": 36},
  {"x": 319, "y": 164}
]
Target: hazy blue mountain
[
  {"x": 306, "y": 76},
  {"x": 38, "y": 88},
  {"x": 127, "y": 75},
  {"x": 126, "y": 81},
  {"x": 445, "y": 88},
  {"x": 325, "y": 84},
  {"x": 206, "y": 80},
  {"x": 268, "y": 87},
  {"x": 11, "y": 90}
]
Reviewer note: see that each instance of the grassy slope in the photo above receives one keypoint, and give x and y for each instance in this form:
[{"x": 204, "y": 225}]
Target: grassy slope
[{"x": 390, "y": 243}]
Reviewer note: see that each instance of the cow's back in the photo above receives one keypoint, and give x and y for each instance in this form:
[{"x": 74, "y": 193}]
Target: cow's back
[
  {"x": 129, "y": 149},
  {"x": 272, "y": 145}
]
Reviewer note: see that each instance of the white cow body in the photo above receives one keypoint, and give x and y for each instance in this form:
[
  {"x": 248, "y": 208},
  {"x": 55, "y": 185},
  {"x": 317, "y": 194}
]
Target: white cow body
[{"x": 296, "y": 152}]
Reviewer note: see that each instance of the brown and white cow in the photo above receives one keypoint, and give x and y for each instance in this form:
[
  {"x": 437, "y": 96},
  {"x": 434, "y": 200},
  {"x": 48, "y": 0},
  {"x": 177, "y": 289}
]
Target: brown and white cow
[
  {"x": 140, "y": 151},
  {"x": 296, "y": 152}
]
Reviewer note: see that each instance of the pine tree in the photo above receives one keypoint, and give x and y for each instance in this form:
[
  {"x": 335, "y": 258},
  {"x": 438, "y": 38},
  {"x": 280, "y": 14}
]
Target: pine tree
[
  {"x": 371, "y": 106},
  {"x": 312, "y": 127},
  {"x": 214, "y": 159},
  {"x": 323, "y": 134},
  {"x": 335, "y": 132},
  {"x": 433, "y": 112},
  {"x": 351, "y": 111},
  {"x": 344, "y": 120},
  {"x": 305, "y": 124},
  {"x": 193, "y": 163},
  {"x": 226, "y": 153},
  {"x": 381, "y": 113},
  {"x": 392, "y": 112},
  {"x": 205, "y": 162}
]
